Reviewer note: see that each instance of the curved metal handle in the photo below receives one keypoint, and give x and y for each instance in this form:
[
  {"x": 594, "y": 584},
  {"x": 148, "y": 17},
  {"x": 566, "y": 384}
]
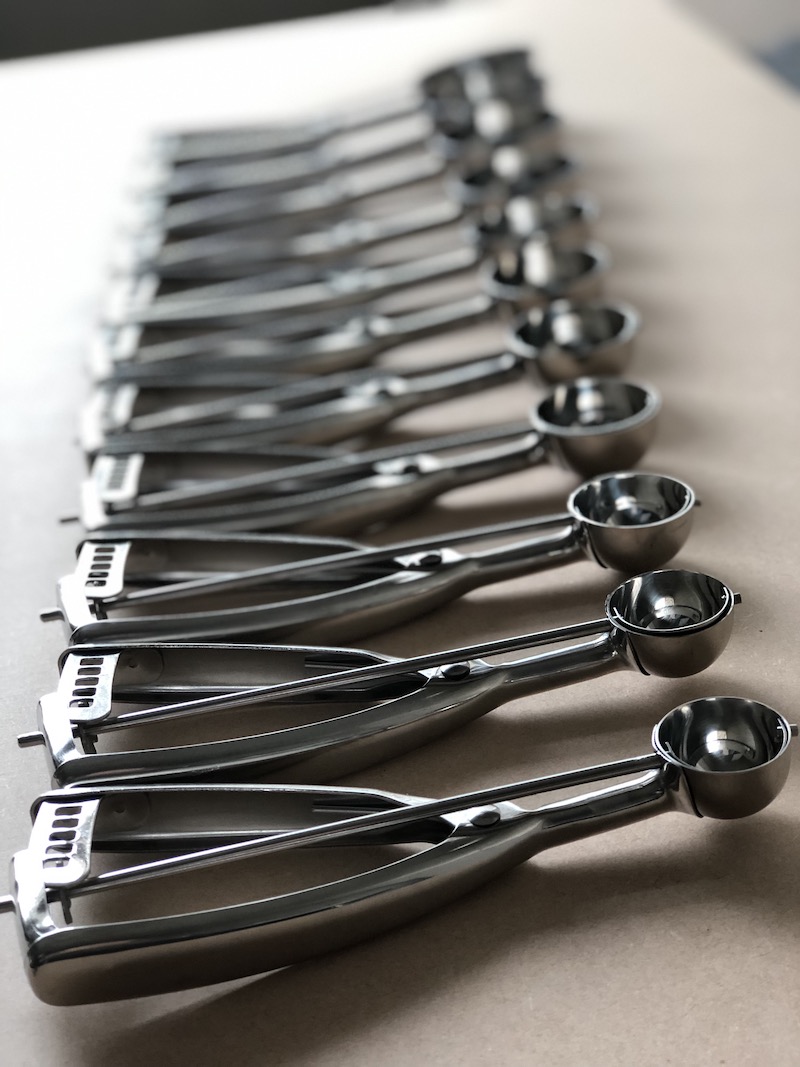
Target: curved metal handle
[
  {"x": 336, "y": 471},
  {"x": 245, "y": 358},
  {"x": 358, "y": 406},
  {"x": 502, "y": 459},
  {"x": 292, "y": 169},
  {"x": 206, "y": 145},
  {"x": 138, "y": 957},
  {"x": 340, "y": 289},
  {"x": 245, "y": 250},
  {"x": 348, "y": 737},
  {"x": 220, "y": 210},
  {"x": 394, "y": 487}
]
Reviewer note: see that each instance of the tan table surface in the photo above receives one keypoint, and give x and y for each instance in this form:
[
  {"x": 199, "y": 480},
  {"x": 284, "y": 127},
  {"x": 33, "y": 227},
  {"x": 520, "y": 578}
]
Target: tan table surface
[{"x": 674, "y": 941}]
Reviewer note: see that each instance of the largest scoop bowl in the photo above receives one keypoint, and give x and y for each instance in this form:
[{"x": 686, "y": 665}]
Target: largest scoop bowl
[
  {"x": 674, "y": 622},
  {"x": 596, "y": 425},
  {"x": 733, "y": 752}
]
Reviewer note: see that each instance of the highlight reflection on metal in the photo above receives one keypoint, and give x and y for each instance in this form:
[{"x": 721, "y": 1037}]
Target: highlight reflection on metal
[
  {"x": 314, "y": 343},
  {"x": 310, "y": 411},
  {"x": 723, "y": 757},
  {"x": 181, "y": 586},
  {"x": 592, "y": 338},
  {"x": 460, "y": 118},
  {"x": 527, "y": 277},
  {"x": 592, "y": 426},
  {"x": 343, "y": 709},
  {"x": 239, "y": 251},
  {"x": 347, "y": 707},
  {"x": 567, "y": 341},
  {"x": 490, "y": 178},
  {"x": 446, "y": 94}
]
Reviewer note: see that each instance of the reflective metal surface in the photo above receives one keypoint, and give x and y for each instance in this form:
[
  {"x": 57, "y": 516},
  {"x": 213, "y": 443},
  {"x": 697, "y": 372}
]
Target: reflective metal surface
[
  {"x": 696, "y": 611},
  {"x": 593, "y": 426},
  {"x": 195, "y": 585},
  {"x": 319, "y": 411},
  {"x": 597, "y": 424},
  {"x": 733, "y": 753},
  {"x": 472, "y": 837},
  {"x": 567, "y": 339}
]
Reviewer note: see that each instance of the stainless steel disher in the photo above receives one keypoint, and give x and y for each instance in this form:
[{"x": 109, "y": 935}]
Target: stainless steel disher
[{"x": 718, "y": 757}]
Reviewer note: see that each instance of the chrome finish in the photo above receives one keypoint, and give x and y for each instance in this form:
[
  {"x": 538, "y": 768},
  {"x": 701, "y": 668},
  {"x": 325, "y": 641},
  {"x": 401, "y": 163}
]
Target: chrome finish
[
  {"x": 288, "y": 210},
  {"x": 593, "y": 426},
  {"x": 510, "y": 171},
  {"x": 359, "y": 709},
  {"x": 318, "y": 411},
  {"x": 246, "y": 357},
  {"x": 244, "y": 300},
  {"x": 558, "y": 215},
  {"x": 511, "y": 174},
  {"x": 627, "y": 521},
  {"x": 672, "y": 646},
  {"x": 241, "y": 251},
  {"x": 468, "y": 139},
  {"x": 567, "y": 339},
  {"x": 720, "y": 742},
  {"x": 446, "y": 94},
  {"x": 535, "y": 275},
  {"x": 540, "y": 272},
  {"x": 471, "y": 837},
  {"x": 631, "y": 521}
]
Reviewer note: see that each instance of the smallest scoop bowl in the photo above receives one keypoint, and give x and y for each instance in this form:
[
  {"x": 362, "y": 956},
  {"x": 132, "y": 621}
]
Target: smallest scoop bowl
[
  {"x": 633, "y": 522},
  {"x": 569, "y": 340},
  {"x": 734, "y": 753},
  {"x": 674, "y": 622},
  {"x": 594, "y": 425}
]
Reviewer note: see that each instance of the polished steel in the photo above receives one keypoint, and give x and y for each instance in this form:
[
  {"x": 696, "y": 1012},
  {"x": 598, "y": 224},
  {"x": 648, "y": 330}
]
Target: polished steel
[
  {"x": 241, "y": 251},
  {"x": 568, "y": 339},
  {"x": 593, "y": 338},
  {"x": 539, "y": 272},
  {"x": 251, "y": 357},
  {"x": 309, "y": 411},
  {"x": 444, "y": 94},
  {"x": 133, "y": 585},
  {"x": 565, "y": 341},
  {"x": 291, "y": 211},
  {"x": 592, "y": 426},
  {"x": 509, "y": 171},
  {"x": 246, "y": 300},
  {"x": 471, "y": 837},
  {"x": 467, "y": 138},
  {"x": 338, "y": 710}
]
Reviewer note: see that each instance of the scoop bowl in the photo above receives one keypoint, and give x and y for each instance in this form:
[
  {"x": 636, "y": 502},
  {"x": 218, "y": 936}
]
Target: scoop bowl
[
  {"x": 674, "y": 623},
  {"x": 734, "y": 753},
  {"x": 633, "y": 522},
  {"x": 570, "y": 340},
  {"x": 595, "y": 425}
]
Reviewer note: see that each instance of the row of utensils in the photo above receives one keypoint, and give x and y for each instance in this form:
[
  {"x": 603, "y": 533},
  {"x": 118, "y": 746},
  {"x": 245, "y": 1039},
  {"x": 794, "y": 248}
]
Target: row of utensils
[{"x": 239, "y": 350}]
